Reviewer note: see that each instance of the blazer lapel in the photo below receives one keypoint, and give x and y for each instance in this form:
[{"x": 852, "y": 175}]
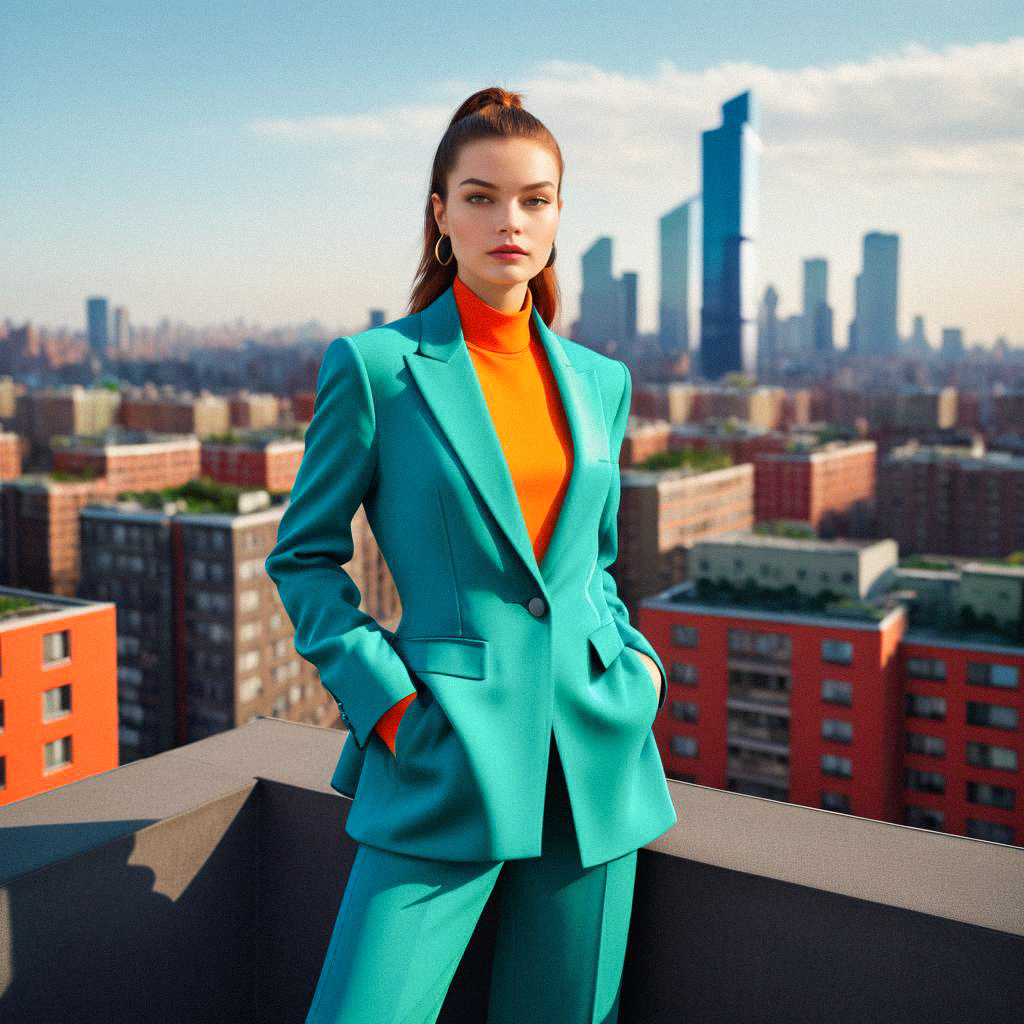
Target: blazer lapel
[{"x": 444, "y": 373}]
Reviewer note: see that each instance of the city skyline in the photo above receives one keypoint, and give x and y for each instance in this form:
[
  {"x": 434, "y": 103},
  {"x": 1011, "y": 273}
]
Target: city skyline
[{"x": 290, "y": 203}]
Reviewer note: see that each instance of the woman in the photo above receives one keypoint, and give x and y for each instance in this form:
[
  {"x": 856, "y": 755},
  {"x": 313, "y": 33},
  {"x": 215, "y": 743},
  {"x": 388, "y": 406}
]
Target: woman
[{"x": 501, "y": 736}]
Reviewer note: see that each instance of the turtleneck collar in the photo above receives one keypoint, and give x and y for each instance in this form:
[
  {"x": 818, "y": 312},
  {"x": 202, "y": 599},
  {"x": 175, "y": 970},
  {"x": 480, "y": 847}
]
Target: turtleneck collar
[{"x": 483, "y": 326}]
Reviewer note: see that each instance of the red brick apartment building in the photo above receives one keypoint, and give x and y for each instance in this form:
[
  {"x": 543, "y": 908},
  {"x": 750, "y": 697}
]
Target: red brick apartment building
[
  {"x": 814, "y": 482},
  {"x": 58, "y": 691},
  {"x": 821, "y": 673},
  {"x": 131, "y": 460},
  {"x": 39, "y": 513},
  {"x": 952, "y": 500},
  {"x": 265, "y": 462}
]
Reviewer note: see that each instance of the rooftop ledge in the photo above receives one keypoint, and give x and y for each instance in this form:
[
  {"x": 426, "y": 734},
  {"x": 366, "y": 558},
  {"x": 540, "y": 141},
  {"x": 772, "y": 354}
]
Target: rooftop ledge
[{"x": 202, "y": 884}]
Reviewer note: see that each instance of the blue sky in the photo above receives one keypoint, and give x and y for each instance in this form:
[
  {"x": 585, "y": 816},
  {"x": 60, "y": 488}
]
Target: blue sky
[{"x": 268, "y": 161}]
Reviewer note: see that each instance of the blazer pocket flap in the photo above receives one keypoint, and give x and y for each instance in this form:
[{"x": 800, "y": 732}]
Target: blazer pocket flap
[
  {"x": 449, "y": 655},
  {"x": 607, "y": 641}
]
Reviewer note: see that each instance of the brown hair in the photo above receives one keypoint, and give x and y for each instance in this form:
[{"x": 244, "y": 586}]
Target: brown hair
[{"x": 489, "y": 113}]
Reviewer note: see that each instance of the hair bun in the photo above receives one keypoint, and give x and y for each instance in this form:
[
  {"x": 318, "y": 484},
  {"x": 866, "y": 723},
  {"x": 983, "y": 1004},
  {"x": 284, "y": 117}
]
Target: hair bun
[{"x": 488, "y": 99}]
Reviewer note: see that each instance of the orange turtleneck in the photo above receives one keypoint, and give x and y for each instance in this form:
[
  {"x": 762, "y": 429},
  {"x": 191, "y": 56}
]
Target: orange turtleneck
[{"x": 526, "y": 411}]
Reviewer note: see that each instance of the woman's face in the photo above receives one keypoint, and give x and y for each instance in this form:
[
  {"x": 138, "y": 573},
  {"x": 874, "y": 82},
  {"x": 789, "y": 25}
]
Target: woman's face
[{"x": 500, "y": 192}]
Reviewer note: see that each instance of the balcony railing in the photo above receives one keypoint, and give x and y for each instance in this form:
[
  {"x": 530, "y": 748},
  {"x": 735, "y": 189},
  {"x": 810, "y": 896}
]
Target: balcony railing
[{"x": 201, "y": 885}]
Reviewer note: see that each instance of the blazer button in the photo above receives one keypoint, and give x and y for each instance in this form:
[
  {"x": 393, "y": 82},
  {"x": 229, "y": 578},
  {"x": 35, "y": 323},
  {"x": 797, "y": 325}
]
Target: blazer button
[{"x": 537, "y": 606}]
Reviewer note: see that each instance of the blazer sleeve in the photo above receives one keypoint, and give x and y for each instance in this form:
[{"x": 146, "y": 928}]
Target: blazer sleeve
[
  {"x": 608, "y": 542},
  {"x": 350, "y": 649}
]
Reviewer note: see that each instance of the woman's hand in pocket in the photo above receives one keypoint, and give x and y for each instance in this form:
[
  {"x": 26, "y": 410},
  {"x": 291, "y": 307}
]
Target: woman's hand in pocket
[
  {"x": 652, "y": 667},
  {"x": 387, "y": 724}
]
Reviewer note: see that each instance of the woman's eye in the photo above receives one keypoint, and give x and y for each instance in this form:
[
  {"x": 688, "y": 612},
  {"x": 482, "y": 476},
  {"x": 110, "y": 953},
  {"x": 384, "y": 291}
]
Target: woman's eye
[{"x": 480, "y": 195}]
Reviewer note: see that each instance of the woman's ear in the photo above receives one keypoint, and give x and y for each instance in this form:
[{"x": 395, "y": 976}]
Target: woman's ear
[{"x": 439, "y": 217}]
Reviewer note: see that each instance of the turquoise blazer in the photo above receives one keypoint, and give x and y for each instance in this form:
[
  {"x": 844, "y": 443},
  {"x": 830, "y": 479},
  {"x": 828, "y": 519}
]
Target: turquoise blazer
[{"x": 501, "y": 650}]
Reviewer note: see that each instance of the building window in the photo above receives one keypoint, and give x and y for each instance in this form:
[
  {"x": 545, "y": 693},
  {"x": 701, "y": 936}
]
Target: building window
[
  {"x": 56, "y": 646},
  {"x": 684, "y": 710},
  {"x": 835, "y": 801},
  {"x": 248, "y": 662},
  {"x": 985, "y": 755},
  {"x": 250, "y": 689},
  {"x": 837, "y": 730},
  {"x": 925, "y": 782},
  {"x": 834, "y": 691},
  {"x": 920, "y": 743},
  {"x": 992, "y": 796},
  {"x": 924, "y": 817},
  {"x": 926, "y": 668},
  {"x": 683, "y": 746},
  {"x": 56, "y": 702},
  {"x": 991, "y": 831},
  {"x": 57, "y": 754},
  {"x": 749, "y": 643},
  {"x": 984, "y": 674},
  {"x": 839, "y": 652},
  {"x": 994, "y": 716},
  {"x": 920, "y": 706},
  {"x": 833, "y": 764},
  {"x": 683, "y": 635},
  {"x": 682, "y": 672}
]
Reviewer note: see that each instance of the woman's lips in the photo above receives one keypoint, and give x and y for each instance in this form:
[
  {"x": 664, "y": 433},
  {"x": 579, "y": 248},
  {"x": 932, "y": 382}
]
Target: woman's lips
[{"x": 508, "y": 256}]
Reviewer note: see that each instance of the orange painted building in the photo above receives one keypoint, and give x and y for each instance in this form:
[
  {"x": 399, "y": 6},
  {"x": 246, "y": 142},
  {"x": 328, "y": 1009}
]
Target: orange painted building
[{"x": 58, "y": 691}]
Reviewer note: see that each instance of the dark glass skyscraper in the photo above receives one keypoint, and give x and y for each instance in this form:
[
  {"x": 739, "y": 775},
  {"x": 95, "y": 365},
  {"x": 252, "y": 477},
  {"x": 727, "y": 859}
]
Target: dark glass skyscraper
[
  {"x": 679, "y": 245},
  {"x": 875, "y": 330},
  {"x": 731, "y": 164}
]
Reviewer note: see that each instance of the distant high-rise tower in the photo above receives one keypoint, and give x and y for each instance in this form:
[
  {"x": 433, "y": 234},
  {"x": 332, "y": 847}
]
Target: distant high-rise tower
[
  {"x": 731, "y": 161},
  {"x": 952, "y": 346},
  {"x": 119, "y": 337},
  {"x": 599, "y": 300},
  {"x": 679, "y": 238},
  {"x": 875, "y": 329},
  {"x": 817, "y": 311},
  {"x": 768, "y": 349},
  {"x": 627, "y": 306},
  {"x": 97, "y": 319},
  {"x": 918, "y": 341},
  {"x": 607, "y": 303}
]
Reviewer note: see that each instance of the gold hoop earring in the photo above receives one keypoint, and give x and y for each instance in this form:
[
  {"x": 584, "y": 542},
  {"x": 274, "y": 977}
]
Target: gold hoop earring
[{"x": 437, "y": 255}]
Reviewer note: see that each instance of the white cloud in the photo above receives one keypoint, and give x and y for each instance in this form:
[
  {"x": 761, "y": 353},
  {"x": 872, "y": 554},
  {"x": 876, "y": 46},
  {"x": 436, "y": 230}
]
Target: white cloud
[{"x": 916, "y": 140}]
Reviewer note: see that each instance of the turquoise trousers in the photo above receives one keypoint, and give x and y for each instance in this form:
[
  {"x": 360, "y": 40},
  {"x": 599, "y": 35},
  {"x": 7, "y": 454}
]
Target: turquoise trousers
[{"x": 405, "y": 922}]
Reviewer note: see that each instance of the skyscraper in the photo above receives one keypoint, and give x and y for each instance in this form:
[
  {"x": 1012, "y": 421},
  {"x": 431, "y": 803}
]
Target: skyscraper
[
  {"x": 730, "y": 167},
  {"x": 679, "y": 245},
  {"x": 119, "y": 334},
  {"x": 952, "y": 345},
  {"x": 97, "y": 319},
  {"x": 875, "y": 329},
  {"x": 627, "y": 306},
  {"x": 917, "y": 343},
  {"x": 607, "y": 303},
  {"x": 817, "y": 312},
  {"x": 599, "y": 299}
]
